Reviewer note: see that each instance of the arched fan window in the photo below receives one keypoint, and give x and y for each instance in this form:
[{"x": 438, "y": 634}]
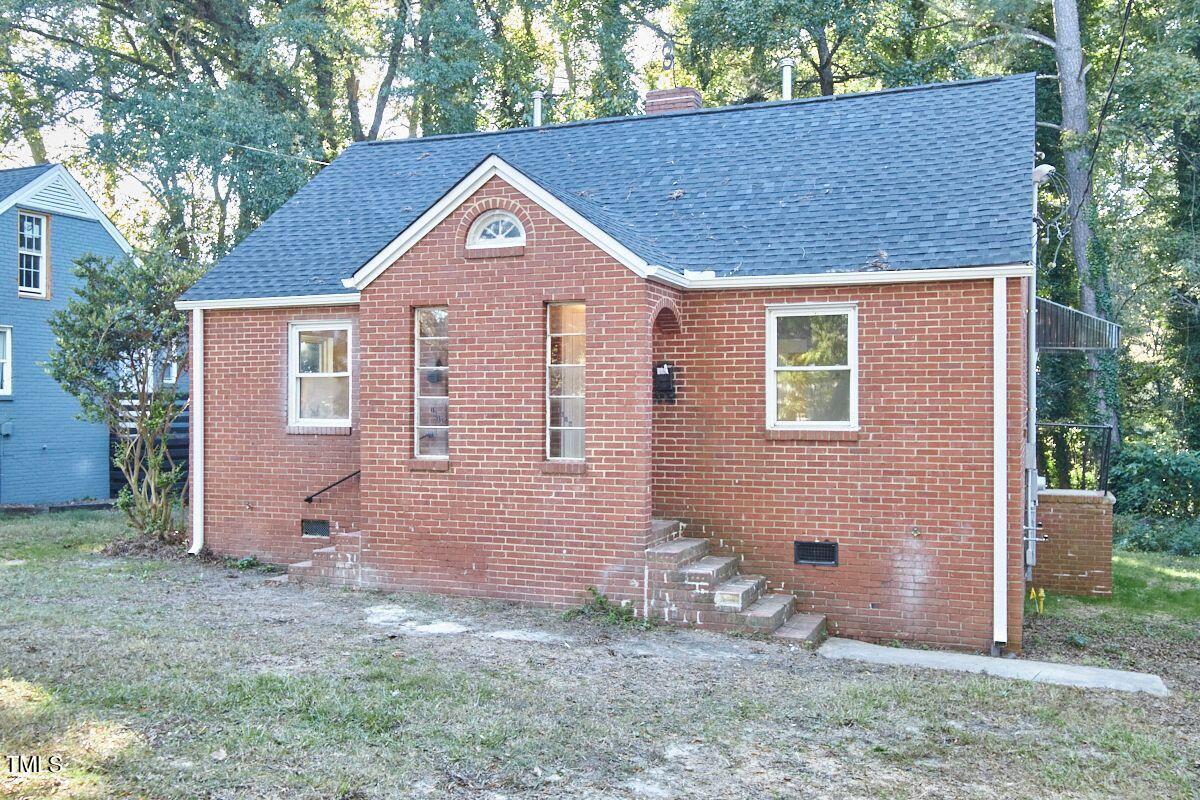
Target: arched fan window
[{"x": 496, "y": 229}]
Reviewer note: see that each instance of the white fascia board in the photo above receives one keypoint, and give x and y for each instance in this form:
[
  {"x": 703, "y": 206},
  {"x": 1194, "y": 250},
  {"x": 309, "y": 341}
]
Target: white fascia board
[
  {"x": 344, "y": 299},
  {"x": 867, "y": 278},
  {"x": 492, "y": 166},
  {"x": 674, "y": 279},
  {"x": 93, "y": 211}
]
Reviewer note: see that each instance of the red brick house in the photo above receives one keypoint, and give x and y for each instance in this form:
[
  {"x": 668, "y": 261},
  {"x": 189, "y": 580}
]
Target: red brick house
[{"x": 722, "y": 364}]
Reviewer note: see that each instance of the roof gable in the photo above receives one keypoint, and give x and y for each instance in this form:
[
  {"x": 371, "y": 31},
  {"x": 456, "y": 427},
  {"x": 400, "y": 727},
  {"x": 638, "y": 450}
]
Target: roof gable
[
  {"x": 923, "y": 178},
  {"x": 50, "y": 188},
  {"x": 494, "y": 167}
]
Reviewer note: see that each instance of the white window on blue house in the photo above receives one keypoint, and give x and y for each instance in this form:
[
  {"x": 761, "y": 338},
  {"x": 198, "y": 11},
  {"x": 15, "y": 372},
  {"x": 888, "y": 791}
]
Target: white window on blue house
[
  {"x": 496, "y": 229},
  {"x": 5, "y": 360},
  {"x": 319, "y": 374},
  {"x": 812, "y": 366},
  {"x": 566, "y": 347},
  {"x": 32, "y": 254},
  {"x": 431, "y": 360}
]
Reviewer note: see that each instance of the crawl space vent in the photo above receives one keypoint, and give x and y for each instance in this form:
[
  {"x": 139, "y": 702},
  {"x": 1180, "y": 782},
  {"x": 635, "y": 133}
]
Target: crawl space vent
[
  {"x": 822, "y": 553},
  {"x": 314, "y": 527}
]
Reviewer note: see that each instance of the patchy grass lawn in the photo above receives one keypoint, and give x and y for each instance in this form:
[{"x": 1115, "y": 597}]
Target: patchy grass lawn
[
  {"x": 1151, "y": 624},
  {"x": 166, "y": 678}
]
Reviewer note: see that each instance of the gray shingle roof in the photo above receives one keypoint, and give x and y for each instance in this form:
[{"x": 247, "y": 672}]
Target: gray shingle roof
[
  {"x": 924, "y": 177},
  {"x": 13, "y": 180}
]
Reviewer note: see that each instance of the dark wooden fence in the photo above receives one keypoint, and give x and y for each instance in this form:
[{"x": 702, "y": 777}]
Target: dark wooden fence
[{"x": 177, "y": 447}]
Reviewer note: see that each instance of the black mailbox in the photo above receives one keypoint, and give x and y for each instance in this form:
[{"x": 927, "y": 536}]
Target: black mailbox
[{"x": 664, "y": 382}]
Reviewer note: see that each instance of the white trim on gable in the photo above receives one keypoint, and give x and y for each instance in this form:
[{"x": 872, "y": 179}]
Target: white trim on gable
[
  {"x": 494, "y": 166},
  {"x": 53, "y": 191}
]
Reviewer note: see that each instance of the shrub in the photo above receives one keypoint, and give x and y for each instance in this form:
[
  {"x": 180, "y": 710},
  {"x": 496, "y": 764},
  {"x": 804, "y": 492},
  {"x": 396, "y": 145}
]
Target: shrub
[
  {"x": 1157, "y": 480},
  {"x": 1157, "y": 535}
]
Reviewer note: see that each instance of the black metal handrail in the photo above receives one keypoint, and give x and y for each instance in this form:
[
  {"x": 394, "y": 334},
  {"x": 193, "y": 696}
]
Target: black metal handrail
[
  {"x": 1074, "y": 461},
  {"x": 338, "y": 482}
]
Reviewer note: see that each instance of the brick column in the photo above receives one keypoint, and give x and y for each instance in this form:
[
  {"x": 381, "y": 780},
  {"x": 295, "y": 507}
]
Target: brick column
[{"x": 1077, "y": 556}]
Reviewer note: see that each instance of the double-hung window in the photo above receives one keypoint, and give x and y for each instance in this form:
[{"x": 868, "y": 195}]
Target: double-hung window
[
  {"x": 431, "y": 362},
  {"x": 31, "y": 254},
  {"x": 812, "y": 366},
  {"x": 5, "y": 360},
  {"x": 319, "y": 374},
  {"x": 565, "y": 350}
]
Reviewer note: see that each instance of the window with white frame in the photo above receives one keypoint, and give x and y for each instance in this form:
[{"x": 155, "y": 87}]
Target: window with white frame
[
  {"x": 319, "y": 374},
  {"x": 496, "y": 229},
  {"x": 431, "y": 360},
  {"x": 565, "y": 352},
  {"x": 171, "y": 372},
  {"x": 812, "y": 366},
  {"x": 31, "y": 254},
  {"x": 5, "y": 360}
]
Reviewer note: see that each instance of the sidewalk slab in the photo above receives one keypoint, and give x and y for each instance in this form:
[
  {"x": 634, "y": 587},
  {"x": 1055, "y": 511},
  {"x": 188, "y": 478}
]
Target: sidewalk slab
[{"x": 1020, "y": 669}]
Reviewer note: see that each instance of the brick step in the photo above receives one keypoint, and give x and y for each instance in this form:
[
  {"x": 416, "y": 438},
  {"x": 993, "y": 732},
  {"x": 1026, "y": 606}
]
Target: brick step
[
  {"x": 739, "y": 592},
  {"x": 769, "y": 612},
  {"x": 806, "y": 629},
  {"x": 677, "y": 552},
  {"x": 664, "y": 529},
  {"x": 709, "y": 572}
]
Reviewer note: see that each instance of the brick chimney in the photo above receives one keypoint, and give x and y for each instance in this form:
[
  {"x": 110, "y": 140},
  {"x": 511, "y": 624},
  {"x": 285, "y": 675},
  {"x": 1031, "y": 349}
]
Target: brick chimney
[{"x": 680, "y": 98}]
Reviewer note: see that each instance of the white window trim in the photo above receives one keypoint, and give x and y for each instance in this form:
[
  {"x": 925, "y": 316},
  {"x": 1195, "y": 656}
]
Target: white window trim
[
  {"x": 294, "y": 331},
  {"x": 811, "y": 310},
  {"x": 171, "y": 373},
  {"x": 6, "y": 369},
  {"x": 486, "y": 218},
  {"x": 417, "y": 397},
  {"x": 43, "y": 254},
  {"x": 546, "y": 378}
]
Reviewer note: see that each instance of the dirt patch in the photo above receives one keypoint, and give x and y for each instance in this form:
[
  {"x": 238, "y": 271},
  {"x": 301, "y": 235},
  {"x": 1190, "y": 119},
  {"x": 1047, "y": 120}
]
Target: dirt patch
[{"x": 145, "y": 547}]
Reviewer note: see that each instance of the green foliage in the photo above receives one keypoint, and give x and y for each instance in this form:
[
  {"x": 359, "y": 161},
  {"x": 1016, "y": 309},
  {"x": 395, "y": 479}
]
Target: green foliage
[
  {"x": 599, "y": 607},
  {"x": 1156, "y": 480},
  {"x": 113, "y": 343},
  {"x": 1157, "y": 535}
]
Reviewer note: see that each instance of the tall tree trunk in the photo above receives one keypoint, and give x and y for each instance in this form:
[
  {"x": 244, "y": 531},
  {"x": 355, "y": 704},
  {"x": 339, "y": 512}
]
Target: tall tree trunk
[
  {"x": 1072, "y": 81},
  {"x": 23, "y": 107},
  {"x": 824, "y": 61}
]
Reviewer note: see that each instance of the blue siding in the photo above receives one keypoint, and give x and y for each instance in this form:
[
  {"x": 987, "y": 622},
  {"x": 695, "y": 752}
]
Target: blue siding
[{"x": 51, "y": 456}]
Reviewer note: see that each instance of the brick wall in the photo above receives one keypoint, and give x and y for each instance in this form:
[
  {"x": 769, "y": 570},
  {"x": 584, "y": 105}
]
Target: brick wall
[
  {"x": 908, "y": 497},
  {"x": 499, "y": 520},
  {"x": 496, "y": 519},
  {"x": 256, "y": 473},
  {"x": 1076, "y": 557}
]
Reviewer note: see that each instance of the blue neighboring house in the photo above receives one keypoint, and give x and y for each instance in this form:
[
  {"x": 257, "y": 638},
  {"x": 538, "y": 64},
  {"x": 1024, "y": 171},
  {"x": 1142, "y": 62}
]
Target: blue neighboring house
[{"x": 47, "y": 221}]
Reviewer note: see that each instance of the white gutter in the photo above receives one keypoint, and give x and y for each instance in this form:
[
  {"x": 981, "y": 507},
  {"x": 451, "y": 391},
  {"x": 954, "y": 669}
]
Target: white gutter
[
  {"x": 196, "y": 456},
  {"x": 702, "y": 280},
  {"x": 999, "y": 460},
  {"x": 343, "y": 299}
]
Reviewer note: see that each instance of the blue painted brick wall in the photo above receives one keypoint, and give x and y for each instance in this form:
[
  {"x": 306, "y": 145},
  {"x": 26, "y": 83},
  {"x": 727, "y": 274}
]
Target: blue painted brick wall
[{"x": 51, "y": 456}]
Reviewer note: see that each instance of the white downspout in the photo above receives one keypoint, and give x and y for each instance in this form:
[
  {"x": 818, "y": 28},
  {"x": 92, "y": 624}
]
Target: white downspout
[
  {"x": 999, "y": 461},
  {"x": 196, "y": 456}
]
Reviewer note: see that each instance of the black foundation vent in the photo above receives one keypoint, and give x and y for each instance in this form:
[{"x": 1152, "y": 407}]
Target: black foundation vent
[
  {"x": 314, "y": 527},
  {"x": 821, "y": 553}
]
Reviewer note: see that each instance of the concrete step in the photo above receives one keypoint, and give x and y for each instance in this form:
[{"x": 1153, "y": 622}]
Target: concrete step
[
  {"x": 709, "y": 572},
  {"x": 806, "y": 629},
  {"x": 664, "y": 528},
  {"x": 739, "y": 593},
  {"x": 769, "y": 612},
  {"x": 677, "y": 552}
]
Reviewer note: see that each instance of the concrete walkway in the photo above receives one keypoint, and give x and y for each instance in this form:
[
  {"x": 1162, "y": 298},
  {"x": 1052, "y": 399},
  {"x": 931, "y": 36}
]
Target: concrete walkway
[{"x": 1040, "y": 671}]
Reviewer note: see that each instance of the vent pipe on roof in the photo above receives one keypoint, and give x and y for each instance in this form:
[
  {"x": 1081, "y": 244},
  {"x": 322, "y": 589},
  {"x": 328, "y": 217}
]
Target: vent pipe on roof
[
  {"x": 537, "y": 108},
  {"x": 787, "y": 64}
]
